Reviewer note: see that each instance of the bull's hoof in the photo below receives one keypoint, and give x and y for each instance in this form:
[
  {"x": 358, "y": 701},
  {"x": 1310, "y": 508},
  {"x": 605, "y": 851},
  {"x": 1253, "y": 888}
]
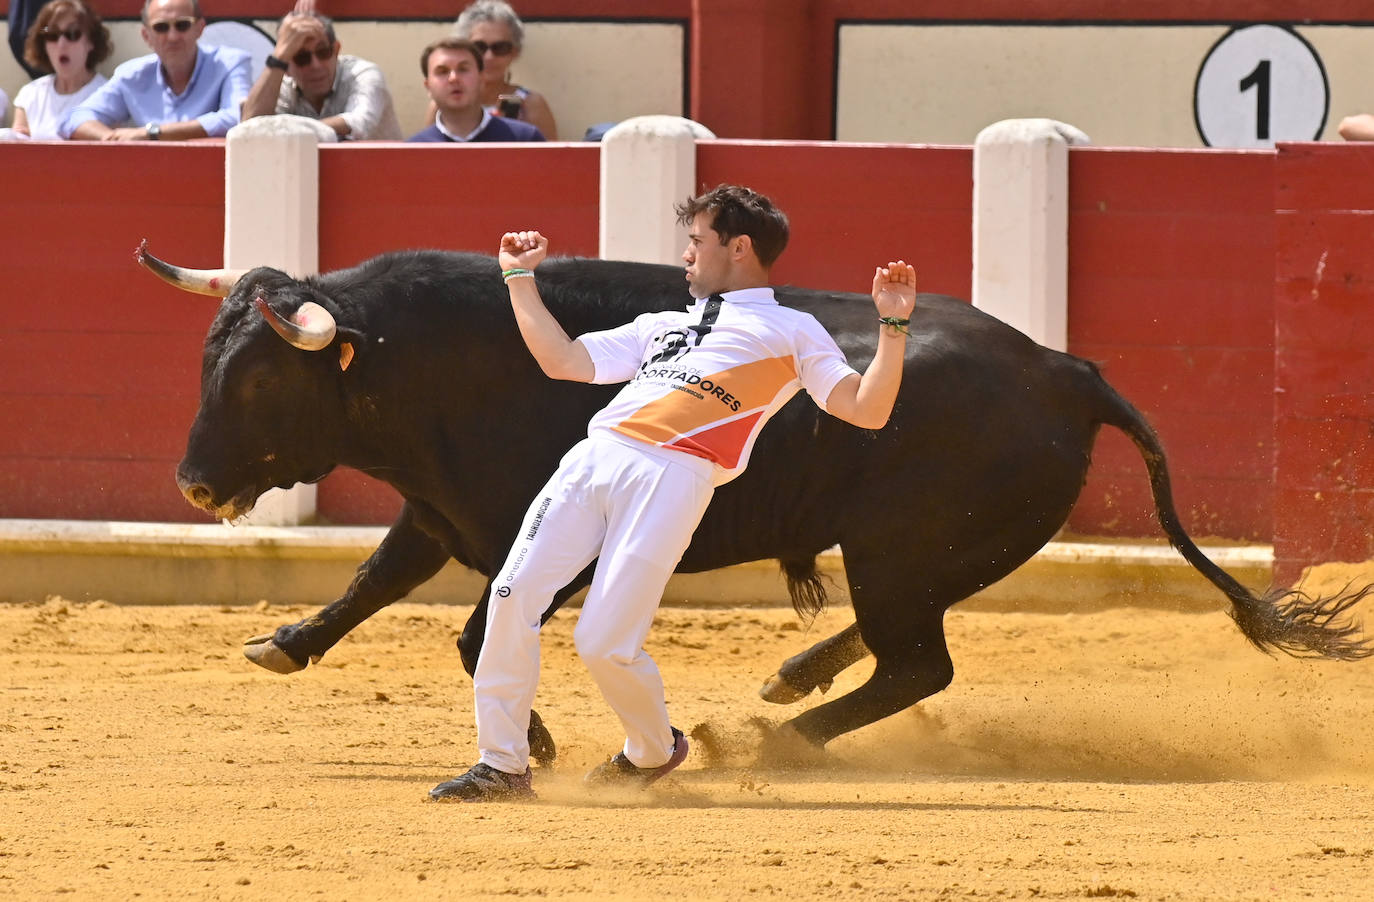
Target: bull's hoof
[
  {"x": 542, "y": 748},
  {"x": 264, "y": 652},
  {"x": 777, "y": 690},
  {"x": 787, "y": 747}
]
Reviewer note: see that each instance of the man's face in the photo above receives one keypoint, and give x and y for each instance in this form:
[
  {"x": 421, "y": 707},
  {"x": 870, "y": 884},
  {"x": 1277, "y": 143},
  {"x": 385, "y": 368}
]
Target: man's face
[
  {"x": 315, "y": 76},
  {"x": 708, "y": 261},
  {"x": 453, "y": 80},
  {"x": 172, "y": 30}
]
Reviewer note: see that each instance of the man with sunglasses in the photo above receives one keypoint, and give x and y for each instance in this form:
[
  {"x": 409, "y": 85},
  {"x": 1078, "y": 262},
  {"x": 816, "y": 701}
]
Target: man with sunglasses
[
  {"x": 306, "y": 76},
  {"x": 182, "y": 90}
]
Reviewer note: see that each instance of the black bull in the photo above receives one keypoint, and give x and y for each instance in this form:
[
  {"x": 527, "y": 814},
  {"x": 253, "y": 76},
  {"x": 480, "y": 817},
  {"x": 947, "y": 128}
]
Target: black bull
[{"x": 422, "y": 381}]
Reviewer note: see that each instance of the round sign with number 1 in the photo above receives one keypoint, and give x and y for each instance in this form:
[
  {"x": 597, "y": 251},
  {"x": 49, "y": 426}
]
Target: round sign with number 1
[{"x": 1260, "y": 84}]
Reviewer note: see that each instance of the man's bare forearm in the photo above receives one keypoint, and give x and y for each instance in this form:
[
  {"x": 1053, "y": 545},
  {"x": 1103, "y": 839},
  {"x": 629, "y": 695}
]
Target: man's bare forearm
[{"x": 557, "y": 355}]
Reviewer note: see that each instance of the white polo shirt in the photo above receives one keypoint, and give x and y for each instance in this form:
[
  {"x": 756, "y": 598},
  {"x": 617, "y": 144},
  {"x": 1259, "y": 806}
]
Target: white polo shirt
[{"x": 704, "y": 381}]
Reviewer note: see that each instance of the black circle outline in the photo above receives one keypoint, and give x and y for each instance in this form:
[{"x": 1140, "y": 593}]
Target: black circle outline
[{"x": 1282, "y": 26}]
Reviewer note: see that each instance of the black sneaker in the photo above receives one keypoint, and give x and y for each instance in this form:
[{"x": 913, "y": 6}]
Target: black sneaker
[
  {"x": 619, "y": 771},
  {"x": 484, "y": 783}
]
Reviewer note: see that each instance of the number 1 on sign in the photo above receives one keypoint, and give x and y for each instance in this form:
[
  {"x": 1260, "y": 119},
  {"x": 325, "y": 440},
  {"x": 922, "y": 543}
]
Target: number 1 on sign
[{"x": 1259, "y": 80}]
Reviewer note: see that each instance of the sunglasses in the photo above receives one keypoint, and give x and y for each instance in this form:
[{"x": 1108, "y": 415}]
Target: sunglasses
[
  {"x": 322, "y": 54},
  {"x": 73, "y": 34},
  {"x": 499, "y": 48},
  {"x": 182, "y": 25}
]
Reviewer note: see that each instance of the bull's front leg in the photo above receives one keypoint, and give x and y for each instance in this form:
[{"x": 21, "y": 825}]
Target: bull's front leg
[
  {"x": 814, "y": 668},
  {"x": 407, "y": 557}
]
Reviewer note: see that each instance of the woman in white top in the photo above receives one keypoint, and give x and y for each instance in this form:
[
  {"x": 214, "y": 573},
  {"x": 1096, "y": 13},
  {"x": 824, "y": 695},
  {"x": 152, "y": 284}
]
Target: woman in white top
[{"x": 67, "y": 40}]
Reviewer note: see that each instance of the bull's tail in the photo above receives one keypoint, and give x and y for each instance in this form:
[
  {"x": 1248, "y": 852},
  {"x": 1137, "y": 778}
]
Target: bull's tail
[
  {"x": 805, "y": 585},
  {"x": 1286, "y": 620}
]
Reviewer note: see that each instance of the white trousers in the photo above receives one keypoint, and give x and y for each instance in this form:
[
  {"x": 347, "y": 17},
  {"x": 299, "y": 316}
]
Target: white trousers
[{"x": 636, "y": 510}]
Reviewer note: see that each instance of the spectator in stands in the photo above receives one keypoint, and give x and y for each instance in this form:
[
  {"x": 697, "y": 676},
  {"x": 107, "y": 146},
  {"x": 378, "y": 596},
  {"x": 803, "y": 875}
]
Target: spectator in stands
[
  {"x": 67, "y": 41},
  {"x": 453, "y": 76},
  {"x": 499, "y": 34},
  {"x": 182, "y": 90},
  {"x": 1359, "y": 127},
  {"x": 306, "y": 76}
]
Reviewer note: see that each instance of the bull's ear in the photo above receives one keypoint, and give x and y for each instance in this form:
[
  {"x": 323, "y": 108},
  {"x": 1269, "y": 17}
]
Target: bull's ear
[{"x": 349, "y": 341}]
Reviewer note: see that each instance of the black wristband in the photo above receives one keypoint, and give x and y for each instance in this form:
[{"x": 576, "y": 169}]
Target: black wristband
[
  {"x": 275, "y": 63},
  {"x": 896, "y": 324}
]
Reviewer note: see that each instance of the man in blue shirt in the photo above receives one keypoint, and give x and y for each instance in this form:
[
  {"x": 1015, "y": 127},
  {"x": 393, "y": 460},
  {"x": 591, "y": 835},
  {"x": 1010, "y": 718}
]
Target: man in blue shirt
[
  {"x": 182, "y": 90},
  {"x": 453, "y": 77}
]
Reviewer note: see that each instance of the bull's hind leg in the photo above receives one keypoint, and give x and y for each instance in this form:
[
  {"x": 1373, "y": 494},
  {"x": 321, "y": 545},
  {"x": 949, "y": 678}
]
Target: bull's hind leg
[
  {"x": 907, "y": 638},
  {"x": 814, "y": 668}
]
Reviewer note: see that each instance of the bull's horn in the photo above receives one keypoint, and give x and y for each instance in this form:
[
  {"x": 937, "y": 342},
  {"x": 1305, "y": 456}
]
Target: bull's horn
[
  {"x": 214, "y": 282},
  {"x": 311, "y": 328}
]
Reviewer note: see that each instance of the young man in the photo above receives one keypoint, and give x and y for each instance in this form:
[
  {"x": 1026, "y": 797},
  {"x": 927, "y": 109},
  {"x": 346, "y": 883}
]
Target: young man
[
  {"x": 453, "y": 79},
  {"x": 182, "y": 90},
  {"x": 633, "y": 492},
  {"x": 306, "y": 76}
]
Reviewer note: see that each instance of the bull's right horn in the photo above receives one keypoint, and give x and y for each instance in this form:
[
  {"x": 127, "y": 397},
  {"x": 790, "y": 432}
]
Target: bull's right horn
[
  {"x": 214, "y": 282},
  {"x": 311, "y": 327}
]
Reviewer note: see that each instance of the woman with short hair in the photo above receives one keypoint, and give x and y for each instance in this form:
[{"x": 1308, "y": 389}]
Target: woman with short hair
[{"x": 498, "y": 32}]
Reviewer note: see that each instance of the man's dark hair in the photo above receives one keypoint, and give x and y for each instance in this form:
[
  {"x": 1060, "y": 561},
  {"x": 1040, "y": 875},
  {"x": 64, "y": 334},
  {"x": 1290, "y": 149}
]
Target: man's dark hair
[
  {"x": 324, "y": 20},
  {"x": 449, "y": 43},
  {"x": 736, "y": 210}
]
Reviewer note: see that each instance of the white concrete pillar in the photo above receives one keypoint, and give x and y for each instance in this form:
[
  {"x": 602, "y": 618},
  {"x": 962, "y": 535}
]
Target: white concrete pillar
[
  {"x": 271, "y": 218},
  {"x": 648, "y": 164},
  {"x": 1020, "y": 225}
]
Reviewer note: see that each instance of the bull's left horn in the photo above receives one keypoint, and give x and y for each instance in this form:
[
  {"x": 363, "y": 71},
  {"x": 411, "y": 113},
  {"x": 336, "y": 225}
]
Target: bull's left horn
[
  {"x": 311, "y": 328},
  {"x": 214, "y": 282}
]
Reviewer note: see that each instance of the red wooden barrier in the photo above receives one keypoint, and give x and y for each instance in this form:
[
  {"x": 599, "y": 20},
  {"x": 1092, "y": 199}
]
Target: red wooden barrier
[
  {"x": 100, "y": 363},
  {"x": 1324, "y": 388},
  {"x": 1171, "y": 289},
  {"x": 1170, "y": 283},
  {"x": 854, "y": 205}
]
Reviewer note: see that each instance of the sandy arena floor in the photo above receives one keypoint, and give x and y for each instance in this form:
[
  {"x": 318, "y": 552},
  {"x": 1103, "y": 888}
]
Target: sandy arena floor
[{"x": 1142, "y": 754}]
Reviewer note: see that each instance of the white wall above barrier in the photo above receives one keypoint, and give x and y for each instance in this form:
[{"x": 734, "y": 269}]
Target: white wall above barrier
[{"x": 1020, "y": 225}]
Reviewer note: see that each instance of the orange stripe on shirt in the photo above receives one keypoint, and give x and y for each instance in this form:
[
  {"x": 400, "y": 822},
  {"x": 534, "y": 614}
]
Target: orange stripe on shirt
[{"x": 753, "y": 384}]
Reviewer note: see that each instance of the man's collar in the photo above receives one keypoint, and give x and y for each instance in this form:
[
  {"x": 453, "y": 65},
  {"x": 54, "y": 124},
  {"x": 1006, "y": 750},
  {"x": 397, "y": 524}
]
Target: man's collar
[
  {"x": 761, "y": 295},
  {"x": 195, "y": 67},
  {"x": 439, "y": 123}
]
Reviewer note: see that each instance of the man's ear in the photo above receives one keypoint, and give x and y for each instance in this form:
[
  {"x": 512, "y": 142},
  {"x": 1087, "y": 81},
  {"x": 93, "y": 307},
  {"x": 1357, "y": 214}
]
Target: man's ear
[{"x": 743, "y": 246}]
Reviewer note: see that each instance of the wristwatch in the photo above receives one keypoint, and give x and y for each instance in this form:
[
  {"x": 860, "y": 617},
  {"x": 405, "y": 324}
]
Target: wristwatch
[
  {"x": 154, "y": 130},
  {"x": 275, "y": 63}
]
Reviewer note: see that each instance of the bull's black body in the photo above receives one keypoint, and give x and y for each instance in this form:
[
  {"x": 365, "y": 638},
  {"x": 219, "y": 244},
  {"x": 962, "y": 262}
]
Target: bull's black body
[{"x": 979, "y": 466}]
